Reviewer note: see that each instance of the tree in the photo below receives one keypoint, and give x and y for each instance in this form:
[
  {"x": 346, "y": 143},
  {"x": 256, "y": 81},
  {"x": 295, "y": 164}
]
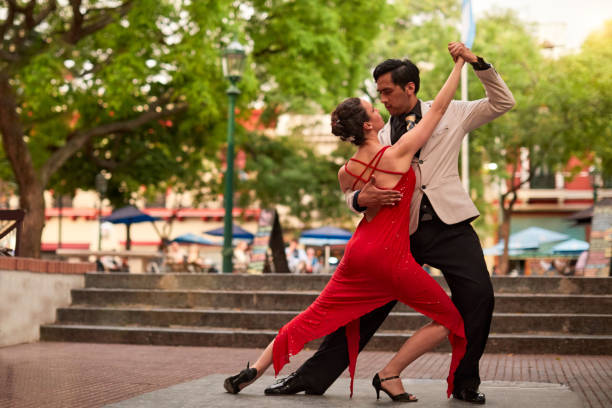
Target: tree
[
  {"x": 308, "y": 184},
  {"x": 419, "y": 31},
  {"x": 86, "y": 86},
  {"x": 554, "y": 117},
  {"x": 580, "y": 86}
]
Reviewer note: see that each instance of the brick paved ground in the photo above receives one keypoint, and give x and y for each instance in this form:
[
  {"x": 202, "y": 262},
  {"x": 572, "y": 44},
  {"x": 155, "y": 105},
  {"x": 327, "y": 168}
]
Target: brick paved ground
[{"x": 91, "y": 375}]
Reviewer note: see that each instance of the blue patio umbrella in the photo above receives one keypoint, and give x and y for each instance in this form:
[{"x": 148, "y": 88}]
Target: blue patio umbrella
[
  {"x": 528, "y": 239},
  {"x": 325, "y": 236},
  {"x": 237, "y": 233},
  {"x": 128, "y": 215},
  {"x": 498, "y": 250},
  {"x": 540, "y": 235},
  {"x": 571, "y": 246},
  {"x": 190, "y": 238}
]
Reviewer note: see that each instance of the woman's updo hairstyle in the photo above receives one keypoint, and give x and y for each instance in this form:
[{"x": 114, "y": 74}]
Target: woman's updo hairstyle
[{"x": 348, "y": 119}]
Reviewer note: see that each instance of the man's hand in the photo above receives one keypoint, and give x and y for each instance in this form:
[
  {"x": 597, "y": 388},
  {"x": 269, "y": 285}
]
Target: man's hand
[
  {"x": 372, "y": 196},
  {"x": 458, "y": 49}
]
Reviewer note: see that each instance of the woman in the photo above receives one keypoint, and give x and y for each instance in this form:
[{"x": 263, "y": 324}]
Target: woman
[
  {"x": 241, "y": 257},
  {"x": 377, "y": 266}
]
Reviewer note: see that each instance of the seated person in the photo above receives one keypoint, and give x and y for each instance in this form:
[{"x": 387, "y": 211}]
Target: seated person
[{"x": 296, "y": 257}]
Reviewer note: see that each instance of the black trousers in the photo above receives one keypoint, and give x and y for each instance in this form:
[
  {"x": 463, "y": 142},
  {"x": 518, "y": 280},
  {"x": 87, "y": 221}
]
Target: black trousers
[{"x": 456, "y": 251}]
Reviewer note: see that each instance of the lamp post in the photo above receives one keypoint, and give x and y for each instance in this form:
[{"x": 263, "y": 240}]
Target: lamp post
[
  {"x": 101, "y": 185},
  {"x": 594, "y": 174},
  {"x": 233, "y": 64}
]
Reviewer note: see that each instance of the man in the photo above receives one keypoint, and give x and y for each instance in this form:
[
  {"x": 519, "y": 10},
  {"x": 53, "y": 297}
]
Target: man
[
  {"x": 296, "y": 257},
  {"x": 440, "y": 216}
]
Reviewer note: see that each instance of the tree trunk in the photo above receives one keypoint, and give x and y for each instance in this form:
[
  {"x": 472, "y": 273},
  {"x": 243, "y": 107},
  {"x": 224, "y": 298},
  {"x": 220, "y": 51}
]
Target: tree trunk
[
  {"x": 128, "y": 238},
  {"x": 31, "y": 199},
  {"x": 31, "y": 189},
  {"x": 504, "y": 262}
]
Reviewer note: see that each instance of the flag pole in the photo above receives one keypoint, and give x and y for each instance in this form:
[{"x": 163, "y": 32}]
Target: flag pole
[
  {"x": 468, "y": 31},
  {"x": 465, "y": 165}
]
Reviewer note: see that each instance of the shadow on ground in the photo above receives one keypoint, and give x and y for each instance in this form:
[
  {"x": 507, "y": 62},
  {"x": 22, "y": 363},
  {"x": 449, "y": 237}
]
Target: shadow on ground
[{"x": 208, "y": 392}]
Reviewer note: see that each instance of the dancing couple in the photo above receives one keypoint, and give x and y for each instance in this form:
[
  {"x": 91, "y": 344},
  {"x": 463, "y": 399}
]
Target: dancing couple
[{"x": 403, "y": 178}]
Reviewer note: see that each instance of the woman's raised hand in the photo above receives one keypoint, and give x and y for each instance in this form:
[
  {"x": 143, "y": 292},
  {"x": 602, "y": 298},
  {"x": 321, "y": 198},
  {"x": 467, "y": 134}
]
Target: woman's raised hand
[{"x": 459, "y": 50}]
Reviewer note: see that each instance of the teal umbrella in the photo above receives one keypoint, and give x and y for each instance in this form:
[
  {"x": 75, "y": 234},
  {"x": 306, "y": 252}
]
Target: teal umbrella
[
  {"x": 190, "y": 238},
  {"x": 529, "y": 239},
  {"x": 575, "y": 246}
]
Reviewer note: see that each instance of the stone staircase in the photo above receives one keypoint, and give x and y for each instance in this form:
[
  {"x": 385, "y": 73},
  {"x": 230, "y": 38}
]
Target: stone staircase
[{"x": 557, "y": 315}]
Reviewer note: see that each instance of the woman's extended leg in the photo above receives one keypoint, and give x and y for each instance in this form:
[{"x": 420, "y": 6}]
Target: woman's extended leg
[
  {"x": 423, "y": 340},
  {"x": 422, "y": 293},
  {"x": 238, "y": 382},
  {"x": 264, "y": 361}
]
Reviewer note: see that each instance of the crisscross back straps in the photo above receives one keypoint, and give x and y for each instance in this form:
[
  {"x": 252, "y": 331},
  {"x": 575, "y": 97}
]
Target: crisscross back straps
[
  {"x": 377, "y": 157},
  {"x": 367, "y": 166}
]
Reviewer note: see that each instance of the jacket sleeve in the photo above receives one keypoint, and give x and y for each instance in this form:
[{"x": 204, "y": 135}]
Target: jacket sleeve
[
  {"x": 348, "y": 197},
  {"x": 498, "y": 101}
]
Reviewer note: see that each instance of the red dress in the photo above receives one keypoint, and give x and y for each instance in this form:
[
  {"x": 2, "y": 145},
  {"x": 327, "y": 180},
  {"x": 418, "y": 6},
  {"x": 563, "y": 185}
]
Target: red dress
[{"x": 377, "y": 267}]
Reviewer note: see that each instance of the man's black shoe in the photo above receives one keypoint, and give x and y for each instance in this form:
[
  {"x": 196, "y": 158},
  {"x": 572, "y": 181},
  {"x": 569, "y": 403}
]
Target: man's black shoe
[
  {"x": 470, "y": 395},
  {"x": 288, "y": 386}
]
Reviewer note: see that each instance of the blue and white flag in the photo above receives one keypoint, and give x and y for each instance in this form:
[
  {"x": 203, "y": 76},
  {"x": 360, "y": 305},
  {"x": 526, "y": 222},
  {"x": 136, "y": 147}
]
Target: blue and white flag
[{"x": 468, "y": 26}]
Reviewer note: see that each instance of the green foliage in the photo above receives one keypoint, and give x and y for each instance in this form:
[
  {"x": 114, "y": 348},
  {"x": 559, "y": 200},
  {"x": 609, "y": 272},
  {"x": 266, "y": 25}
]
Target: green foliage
[
  {"x": 419, "y": 31},
  {"x": 303, "y": 56},
  {"x": 505, "y": 41},
  {"x": 286, "y": 171},
  {"x": 563, "y": 106},
  {"x": 166, "y": 54},
  {"x": 580, "y": 87}
]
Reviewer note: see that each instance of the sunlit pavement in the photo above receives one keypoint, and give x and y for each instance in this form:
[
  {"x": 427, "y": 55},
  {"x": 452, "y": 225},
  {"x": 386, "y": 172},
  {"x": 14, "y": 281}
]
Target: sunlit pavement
[{"x": 93, "y": 375}]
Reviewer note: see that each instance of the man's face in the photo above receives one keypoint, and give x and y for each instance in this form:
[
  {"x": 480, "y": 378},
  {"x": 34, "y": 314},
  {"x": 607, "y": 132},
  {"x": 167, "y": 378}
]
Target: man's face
[{"x": 396, "y": 99}]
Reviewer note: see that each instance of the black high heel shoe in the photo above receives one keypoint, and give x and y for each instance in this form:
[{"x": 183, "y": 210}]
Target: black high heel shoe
[
  {"x": 232, "y": 384},
  {"x": 377, "y": 384}
]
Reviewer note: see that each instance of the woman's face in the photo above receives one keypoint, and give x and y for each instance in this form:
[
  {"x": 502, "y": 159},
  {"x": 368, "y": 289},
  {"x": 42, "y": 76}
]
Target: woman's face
[{"x": 375, "y": 119}]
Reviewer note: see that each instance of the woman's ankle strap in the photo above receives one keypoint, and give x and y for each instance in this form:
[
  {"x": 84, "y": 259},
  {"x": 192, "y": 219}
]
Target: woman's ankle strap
[{"x": 389, "y": 378}]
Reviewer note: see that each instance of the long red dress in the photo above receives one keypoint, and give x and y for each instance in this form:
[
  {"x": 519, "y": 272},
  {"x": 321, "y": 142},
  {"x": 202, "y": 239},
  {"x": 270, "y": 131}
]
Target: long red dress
[{"x": 377, "y": 267}]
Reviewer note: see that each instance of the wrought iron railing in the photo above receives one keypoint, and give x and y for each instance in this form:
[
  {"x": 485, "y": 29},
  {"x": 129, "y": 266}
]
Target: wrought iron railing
[{"x": 10, "y": 220}]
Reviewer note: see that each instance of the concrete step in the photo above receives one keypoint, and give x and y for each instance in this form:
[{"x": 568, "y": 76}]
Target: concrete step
[
  {"x": 276, "y": 300},
  {"x": 387, "y": 341},
  {"x": 178, "y": 281},
  {"x": 261, "y": 320}
]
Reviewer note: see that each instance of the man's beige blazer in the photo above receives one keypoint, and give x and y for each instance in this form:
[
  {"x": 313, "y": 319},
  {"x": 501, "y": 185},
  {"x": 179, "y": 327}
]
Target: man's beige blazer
[{"x": 436, "y": 169}]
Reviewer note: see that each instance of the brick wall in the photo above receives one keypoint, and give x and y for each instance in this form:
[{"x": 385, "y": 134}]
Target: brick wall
[
  {"x": 31, "y": 290},
  {"x": 45, "y": 266}
]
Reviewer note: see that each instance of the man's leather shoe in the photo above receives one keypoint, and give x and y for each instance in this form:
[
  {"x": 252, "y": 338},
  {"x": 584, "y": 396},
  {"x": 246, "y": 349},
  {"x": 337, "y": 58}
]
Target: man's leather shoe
[
  {"x": 470, "y": 395},
  {"x": 288, "y": 386}
]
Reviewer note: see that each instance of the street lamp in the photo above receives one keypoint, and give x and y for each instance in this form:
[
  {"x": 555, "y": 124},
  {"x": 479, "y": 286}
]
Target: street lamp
[
  {"x": 233, "y": 65},
  {"x": 594, "y": 174},
  {"x": 101, "y": 185}
]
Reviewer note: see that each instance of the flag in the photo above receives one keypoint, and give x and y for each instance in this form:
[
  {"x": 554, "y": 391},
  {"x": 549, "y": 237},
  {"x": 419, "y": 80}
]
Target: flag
[{"x": 468, "y": 27}]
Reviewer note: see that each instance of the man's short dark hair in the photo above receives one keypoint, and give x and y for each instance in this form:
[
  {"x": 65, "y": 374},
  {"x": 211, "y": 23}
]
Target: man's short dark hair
[{"x": 402, "y": 72}]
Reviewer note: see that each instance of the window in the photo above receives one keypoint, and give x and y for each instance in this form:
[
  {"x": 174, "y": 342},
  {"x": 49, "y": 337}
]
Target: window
[{"x": 543, "y": 178}]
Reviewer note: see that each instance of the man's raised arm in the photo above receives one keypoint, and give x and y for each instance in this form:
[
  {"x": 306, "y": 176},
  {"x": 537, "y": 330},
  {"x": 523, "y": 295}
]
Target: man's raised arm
[{"x": 499, "y": 99}]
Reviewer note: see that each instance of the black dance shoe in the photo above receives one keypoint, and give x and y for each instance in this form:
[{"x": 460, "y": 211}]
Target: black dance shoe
[
  {"x": 232, "y": 384},
  {"x": 289, "y": 385},
  {"x": 470, "y": 395},
  {"x": 377, "y": 384}
]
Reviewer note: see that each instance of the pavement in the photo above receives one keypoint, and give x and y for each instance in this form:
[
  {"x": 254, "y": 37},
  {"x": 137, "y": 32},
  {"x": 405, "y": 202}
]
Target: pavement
[
  {"x": 206, "y": 392},
  {"x": 70, "y": 375}
]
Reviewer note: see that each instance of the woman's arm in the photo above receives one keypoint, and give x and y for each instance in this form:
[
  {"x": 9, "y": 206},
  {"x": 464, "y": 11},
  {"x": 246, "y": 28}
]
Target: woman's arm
[{"x": 408, "y": 144}]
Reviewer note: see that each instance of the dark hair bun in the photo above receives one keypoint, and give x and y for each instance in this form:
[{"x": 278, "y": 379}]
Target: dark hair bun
[{"x": 347, "y": 121}]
